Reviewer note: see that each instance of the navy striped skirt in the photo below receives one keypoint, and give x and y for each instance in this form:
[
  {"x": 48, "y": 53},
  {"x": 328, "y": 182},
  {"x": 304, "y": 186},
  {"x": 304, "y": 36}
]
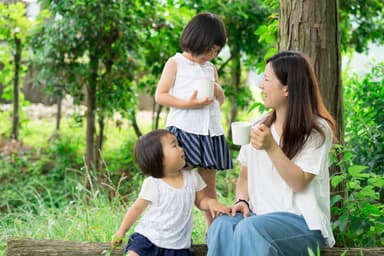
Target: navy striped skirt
[{"x": 203, "y": 150}]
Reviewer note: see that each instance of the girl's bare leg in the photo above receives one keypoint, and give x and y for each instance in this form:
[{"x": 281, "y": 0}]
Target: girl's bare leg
[
  {"x": 132, "y": 253},
  {"x": 209, "y": 177}
]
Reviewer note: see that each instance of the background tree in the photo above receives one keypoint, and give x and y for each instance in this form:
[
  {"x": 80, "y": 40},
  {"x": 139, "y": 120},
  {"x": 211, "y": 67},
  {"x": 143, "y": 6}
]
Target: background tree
[
  {"x": 92, "y": 43},
  {"x": 14, "y": 29},
  {"x": 312, "y": 28}
]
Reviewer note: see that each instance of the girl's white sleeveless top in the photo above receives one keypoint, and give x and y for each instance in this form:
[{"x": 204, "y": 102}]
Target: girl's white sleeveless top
[{"x": 202, "y": 121}]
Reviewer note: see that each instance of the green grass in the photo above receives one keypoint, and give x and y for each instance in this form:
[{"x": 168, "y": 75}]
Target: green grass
[
  {"x": 75, "y": 212},
  {"x": 93, "y": 218}
]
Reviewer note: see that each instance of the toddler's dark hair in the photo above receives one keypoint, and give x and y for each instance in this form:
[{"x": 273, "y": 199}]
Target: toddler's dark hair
[
  {"x": 149, "y": 153},
  {"x": 202, "y": 32}
]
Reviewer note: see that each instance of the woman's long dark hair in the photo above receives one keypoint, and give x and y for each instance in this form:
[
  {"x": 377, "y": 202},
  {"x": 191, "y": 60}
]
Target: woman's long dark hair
[{"x": 304, "y": 101}]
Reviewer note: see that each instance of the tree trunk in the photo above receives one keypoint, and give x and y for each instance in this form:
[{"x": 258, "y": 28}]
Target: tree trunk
[
  {"x": 99, "y": 142},
  {"x": 91, "y": 110},
  {"x": 15, "y": 114},
  {"x": 312, "y": 28},
  {"x": 236, "y": 76},
  {"x": 157, "y": 112},
  {"x": 135, "y": 125},
  {"x": 58, "y": 114}
]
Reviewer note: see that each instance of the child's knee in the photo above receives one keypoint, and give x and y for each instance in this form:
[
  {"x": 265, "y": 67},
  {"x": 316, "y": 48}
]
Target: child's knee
[
  {"x": 221, "y": 223},
  {"x": 132, "y": 253}
]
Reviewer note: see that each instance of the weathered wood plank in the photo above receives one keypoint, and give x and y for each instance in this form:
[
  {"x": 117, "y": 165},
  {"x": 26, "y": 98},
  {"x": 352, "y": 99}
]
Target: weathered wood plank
[{"x": 32, "y": 247}]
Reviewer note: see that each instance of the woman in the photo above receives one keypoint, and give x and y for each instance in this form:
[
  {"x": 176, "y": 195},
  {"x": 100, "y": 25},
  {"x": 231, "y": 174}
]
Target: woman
[{"x": 283, "y": 197}]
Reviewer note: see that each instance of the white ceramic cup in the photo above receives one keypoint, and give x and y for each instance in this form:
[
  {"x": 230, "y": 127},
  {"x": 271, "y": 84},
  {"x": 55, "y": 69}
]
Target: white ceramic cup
[
  {"x": 204, "y": 88},
  {"x": 240, "y": 132}
]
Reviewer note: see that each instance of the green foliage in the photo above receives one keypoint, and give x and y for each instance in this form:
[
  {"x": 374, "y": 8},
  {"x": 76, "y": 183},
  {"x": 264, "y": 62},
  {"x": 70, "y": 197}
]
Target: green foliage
[
  {"x": 14, "y": 25},
  {"x": 38, "y": 175},
  {"x": 311, "y": 253},
  {"x": 13, "y": 22},
  {"x": 14, "y": 30},
  {"x": 364, "y": 118},
  {"x": 73, "y": 37},
  {"x": 361, "y": 22},
  {"x": 90, "y": 216},
  {"x": 161, "y": 38},
  {"x": 360, "y": 221},
  {"x": 268, "y": 32}
]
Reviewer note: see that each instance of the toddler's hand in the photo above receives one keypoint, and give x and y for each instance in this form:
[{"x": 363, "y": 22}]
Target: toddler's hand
[
  {"x": 117, "y": 240},
  {"x": 217, "y": 209}
]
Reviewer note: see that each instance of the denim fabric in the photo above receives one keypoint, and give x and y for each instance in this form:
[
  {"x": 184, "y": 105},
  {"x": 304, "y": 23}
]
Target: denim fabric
[{"x": 274, "y": 234}]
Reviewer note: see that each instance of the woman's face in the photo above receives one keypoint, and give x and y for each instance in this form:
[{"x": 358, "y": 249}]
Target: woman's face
[{"x": 274, "y": 93}]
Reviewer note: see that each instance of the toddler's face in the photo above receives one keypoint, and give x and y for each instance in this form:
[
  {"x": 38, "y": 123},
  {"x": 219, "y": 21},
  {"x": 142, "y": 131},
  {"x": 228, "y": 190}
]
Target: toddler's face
[{"x": 174, "y": 158}]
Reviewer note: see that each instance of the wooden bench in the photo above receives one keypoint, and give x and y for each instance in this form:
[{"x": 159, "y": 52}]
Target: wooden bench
[{"x": 31, "y": 247}]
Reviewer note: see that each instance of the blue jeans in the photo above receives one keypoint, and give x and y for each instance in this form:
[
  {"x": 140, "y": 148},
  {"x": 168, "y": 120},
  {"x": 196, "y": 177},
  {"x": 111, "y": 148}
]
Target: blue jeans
[{"x": 274, "y": 234}]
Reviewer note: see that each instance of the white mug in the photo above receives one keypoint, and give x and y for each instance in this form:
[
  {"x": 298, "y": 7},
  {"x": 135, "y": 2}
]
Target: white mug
[
  {"x": 241, "y": 132},
  {"x": 204, "y": 88}
]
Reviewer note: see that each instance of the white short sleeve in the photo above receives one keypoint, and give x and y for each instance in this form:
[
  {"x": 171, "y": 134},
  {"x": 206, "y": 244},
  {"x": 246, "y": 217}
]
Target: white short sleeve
[
  {"x": 149, "y": 190},
  {"x": 315, "y": 151},
  {"x": 199, "y": 182},
  {"x": 243, "y": 155}
]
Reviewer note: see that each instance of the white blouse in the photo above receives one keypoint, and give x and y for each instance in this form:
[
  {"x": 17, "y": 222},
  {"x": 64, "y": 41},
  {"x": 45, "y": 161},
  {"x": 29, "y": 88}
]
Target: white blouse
[
  {"x": 168, "y": 220},
  {"x": 268, "y": 192}
]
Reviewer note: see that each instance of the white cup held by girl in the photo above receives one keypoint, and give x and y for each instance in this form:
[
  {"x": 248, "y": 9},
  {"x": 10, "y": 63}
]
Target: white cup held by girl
[{"x": 204, "y": 88}]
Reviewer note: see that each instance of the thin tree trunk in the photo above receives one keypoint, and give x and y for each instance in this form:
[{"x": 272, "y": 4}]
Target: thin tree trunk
[
  {"x": 91, "y": 110},
  {"x": 158, "y": 112},
  {"x": 236, "y": 76},
  {"x": 58, "y": 113},
  {"x": 15, "y": 114},
  {"x": 135, "y": 125},
  {"x": 99, "y": 142}
]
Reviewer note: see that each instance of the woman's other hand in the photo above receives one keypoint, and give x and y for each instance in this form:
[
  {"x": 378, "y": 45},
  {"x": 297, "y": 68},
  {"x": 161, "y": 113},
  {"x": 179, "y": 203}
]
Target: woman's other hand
[{"x": 240, "y": 207}]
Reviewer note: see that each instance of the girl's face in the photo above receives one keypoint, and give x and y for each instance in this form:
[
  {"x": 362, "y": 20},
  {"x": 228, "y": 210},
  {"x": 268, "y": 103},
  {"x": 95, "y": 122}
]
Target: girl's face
[
  {"x": 174, "y": 158},
  {"x": 274, "y": 93},
  {"x": 208, "y": 55}
]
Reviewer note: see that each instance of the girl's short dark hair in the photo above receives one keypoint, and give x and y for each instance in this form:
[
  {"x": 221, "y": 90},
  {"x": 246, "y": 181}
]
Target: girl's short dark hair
[
  {"x": 149, "y": 153},
  {"x": 203, "y": 32}
]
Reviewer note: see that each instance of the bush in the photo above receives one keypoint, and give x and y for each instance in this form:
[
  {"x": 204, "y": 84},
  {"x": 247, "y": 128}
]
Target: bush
[
  {"x": 360, "y": 221},
  {"x": 364, "y": 118}
]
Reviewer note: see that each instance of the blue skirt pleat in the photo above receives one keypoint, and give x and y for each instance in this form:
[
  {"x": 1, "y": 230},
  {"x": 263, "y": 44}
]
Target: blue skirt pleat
[{"x": 210, "y": 152}]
